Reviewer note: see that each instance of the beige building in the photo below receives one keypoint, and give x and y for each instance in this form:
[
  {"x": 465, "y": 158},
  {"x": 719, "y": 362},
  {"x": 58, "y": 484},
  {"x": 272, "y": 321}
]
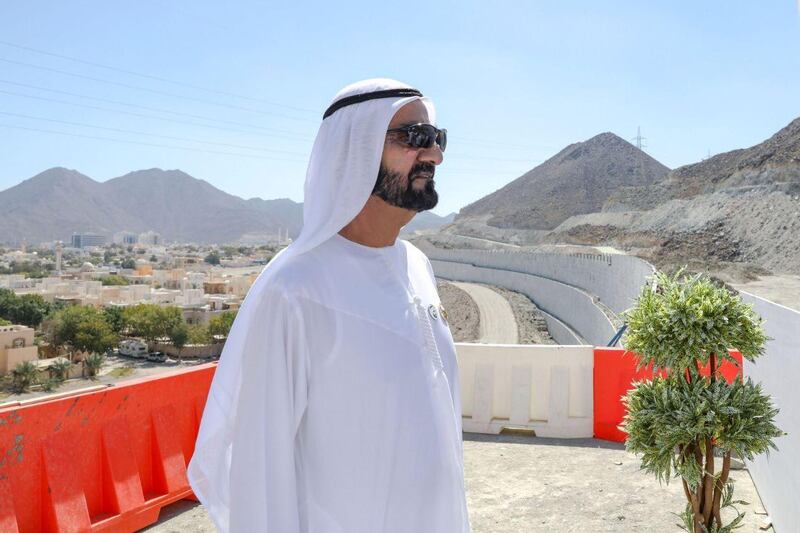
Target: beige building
[{"x": 16, "y": 346}]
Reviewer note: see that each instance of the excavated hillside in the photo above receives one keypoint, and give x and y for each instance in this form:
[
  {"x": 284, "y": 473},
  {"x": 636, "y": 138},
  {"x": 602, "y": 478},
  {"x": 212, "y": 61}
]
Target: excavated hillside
[{"x": 737, "y": 212}]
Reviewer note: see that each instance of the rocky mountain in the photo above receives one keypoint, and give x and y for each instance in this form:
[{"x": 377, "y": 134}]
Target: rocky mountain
[
  {"x": 59, "y": 201},
  {"x": 579, "y": 179},
  {"x": 736, "y": 214},
  {"x": 54, "y": 204},
  {"x": 774, "y": 163},
  {"x": 738, "y": 211}
]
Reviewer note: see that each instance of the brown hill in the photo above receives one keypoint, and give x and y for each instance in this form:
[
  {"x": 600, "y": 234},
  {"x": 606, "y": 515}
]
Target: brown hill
[
  {"x": 577, "y": 180},
  {"x": 59, "y": 201}
]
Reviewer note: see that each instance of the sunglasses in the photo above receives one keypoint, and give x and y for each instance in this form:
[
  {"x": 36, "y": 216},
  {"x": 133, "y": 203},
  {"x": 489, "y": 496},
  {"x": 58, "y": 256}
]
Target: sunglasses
[{"x": 423, "y": 135}]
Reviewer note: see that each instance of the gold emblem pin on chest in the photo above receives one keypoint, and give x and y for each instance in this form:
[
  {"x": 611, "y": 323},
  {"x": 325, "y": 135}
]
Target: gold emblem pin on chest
[
  {"x": 433, "y": 312},
  {"x": 443, "y": 312}
]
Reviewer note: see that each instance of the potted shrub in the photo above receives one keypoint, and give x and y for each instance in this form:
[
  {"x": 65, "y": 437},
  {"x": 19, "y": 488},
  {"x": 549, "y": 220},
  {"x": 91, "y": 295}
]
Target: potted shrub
[{"x": 689, "y": 413}]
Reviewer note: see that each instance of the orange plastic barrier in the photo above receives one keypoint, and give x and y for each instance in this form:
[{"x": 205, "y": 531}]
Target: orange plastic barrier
[
  {"x": 614, "y": 371},
  {"x": 104, "y": 460}
]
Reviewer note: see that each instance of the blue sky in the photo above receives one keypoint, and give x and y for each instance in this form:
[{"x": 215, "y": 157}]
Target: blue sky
[{"x": 514, "y": 82}]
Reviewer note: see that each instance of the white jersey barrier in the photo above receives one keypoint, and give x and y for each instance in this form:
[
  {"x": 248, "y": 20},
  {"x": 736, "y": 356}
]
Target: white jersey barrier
[{"x": 547, "y": 389}]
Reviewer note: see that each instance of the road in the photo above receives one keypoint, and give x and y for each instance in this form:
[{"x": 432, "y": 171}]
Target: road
[
  {"x": 782, "y": 289},
  {"x": 497, "y": 325}
]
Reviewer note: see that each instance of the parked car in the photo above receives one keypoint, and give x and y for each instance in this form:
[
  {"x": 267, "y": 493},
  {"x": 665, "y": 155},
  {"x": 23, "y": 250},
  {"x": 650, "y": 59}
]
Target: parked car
[{"x": 157, "y": 357}]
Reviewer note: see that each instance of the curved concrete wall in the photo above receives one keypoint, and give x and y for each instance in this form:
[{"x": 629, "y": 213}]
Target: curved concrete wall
[
  {"x": 778, "y": 476},
  {"x": 614, "y": 278},
  {"x": 568, "y": 304},
  {"x": 560, "y": 332}
]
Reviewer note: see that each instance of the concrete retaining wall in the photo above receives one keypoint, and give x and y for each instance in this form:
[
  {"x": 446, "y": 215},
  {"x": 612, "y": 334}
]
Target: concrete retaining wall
[
  {"x": 192, "y": 351},
  {"x": 778, "y": 476},
  {"x": 544, "y": 388},
  {"x": 573, "y": 307},
  {"x": 614, "y": 278}
]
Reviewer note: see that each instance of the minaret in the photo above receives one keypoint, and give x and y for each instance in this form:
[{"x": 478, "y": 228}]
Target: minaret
[{"x": 59, "y": 252}]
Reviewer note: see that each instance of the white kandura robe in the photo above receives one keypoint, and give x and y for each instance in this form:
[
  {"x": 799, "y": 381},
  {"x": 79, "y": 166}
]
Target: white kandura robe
[{"x": 362, "y": 417}]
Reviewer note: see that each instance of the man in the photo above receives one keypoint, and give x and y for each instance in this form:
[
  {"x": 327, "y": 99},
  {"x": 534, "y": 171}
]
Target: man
[{"x": 335, "y": 407}]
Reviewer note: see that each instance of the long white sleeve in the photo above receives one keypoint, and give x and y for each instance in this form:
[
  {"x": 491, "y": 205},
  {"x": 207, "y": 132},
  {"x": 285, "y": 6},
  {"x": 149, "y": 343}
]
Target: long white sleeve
[{"x": 260, "y": 493}]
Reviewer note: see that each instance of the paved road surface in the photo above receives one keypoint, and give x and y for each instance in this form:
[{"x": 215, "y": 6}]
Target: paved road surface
[{"x": 498, "y": 325}]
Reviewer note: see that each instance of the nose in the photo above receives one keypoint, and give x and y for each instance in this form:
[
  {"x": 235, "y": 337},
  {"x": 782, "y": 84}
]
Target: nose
[{"x": 431, "y": 155}]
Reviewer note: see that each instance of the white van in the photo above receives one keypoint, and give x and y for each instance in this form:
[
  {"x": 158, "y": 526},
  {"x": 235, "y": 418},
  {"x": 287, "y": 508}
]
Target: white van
[{"x": 133, "y": 348}]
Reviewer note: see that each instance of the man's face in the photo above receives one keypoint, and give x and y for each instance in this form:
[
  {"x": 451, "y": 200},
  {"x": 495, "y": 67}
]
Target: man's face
[{"x": 405, "y": 178}]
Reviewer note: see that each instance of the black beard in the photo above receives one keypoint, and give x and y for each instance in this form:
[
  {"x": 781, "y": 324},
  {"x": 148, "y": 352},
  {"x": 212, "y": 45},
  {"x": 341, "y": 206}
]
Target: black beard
[{"x": 389, "y": 187}]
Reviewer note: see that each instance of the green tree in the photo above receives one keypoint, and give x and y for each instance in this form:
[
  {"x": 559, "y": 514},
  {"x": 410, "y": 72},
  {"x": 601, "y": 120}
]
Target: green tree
[
  {"x": 212, "y": 258},
  {"x": 179, "y": 336},
  {"x": 115, "y": 316},
  {"x": 677, "y": 421},
  {"x": 23, "y": 376},
  {"x": 84, "y": 328},
  {"x": 31, "y": 310},
  {"x": 114, "y": 280},
  {"x": 151, "y": 321},
  {"x": 28, "y": 309},
  {"x": 93, "y": 363},
  {"x": 129, "y": 262},
  {"x": 8, "y": 301},
  {"x": 94, "y": 335},
  {"x": 142, "y": 321},
  {"x": 171, "y": 318},
  {"x": 4, "y": 322},
  {"x": 221, "y": 323},
  {"x": 198, "y": 334},
  {"x": 60, "y": 369}
]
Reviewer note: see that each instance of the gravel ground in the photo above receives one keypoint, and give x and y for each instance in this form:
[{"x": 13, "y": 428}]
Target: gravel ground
[
  {"x": 522, "y": 484},
  {"x": 462, "y": 312},
  {"x": 465, "y": 317}
]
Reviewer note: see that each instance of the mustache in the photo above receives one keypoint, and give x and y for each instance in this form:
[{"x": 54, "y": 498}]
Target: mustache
[{"x": 422, "y": 168}]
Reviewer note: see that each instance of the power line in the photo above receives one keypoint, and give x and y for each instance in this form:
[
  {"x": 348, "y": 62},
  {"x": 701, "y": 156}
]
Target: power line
[
  {"x": 83, "y": 125},
  {"x": 467, "y": 140},
  {"x": 156, "y": 78},
  {"x": 125, "y": 141},
  {"x": 154, "y": 91},
  {"x": 131, "y": 113},
  {"x": 195, "y": 87},
  {"x": 459, "y": 156},
  {"x": 148, "y": 108}
]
